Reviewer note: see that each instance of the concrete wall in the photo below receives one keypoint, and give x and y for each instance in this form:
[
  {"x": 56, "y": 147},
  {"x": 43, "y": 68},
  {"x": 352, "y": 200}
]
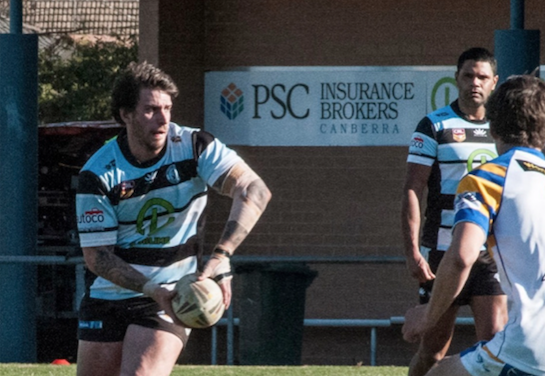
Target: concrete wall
[{"x": 327, "y": 201}]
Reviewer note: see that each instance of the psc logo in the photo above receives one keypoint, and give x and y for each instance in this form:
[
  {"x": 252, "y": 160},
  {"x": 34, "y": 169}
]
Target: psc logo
[{"x": 232, "y": 101}]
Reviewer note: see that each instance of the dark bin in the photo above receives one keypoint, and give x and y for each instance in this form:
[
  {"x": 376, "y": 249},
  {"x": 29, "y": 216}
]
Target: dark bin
[{"x": 271, "y": 312}]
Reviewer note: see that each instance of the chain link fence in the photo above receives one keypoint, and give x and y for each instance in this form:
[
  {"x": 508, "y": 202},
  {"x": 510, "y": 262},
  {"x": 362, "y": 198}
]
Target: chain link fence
[{"x": 79, "y": 16}]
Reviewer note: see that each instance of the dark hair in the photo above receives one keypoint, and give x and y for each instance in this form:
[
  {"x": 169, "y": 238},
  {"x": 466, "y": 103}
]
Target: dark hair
[
  {"x": 516, "y": 110},
  {"x": 478, "y": 54},
  {"x": 135, "y": 77}
]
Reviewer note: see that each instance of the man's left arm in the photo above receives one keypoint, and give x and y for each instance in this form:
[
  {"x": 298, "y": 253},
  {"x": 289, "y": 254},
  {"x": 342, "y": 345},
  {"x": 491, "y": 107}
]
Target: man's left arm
[
  {"x": 452, "y": 274},
  {"x": 250, "y": 198}
]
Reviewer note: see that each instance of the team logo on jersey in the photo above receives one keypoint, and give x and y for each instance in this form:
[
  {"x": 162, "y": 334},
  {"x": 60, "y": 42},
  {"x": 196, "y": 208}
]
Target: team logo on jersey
[
  {"x": 127, "y": 188},
  {"x": 459, "y": 134},
  {"x": 478, "y": 157},
  {"x": 480, "y": 132},
  {"x": 155, "y": 215},
  {"x": 172, "y": 174},
  {"x": 232, "y": 101}
]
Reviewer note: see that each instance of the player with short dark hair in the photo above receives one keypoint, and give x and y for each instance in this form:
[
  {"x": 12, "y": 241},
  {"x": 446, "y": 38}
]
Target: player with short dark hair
[
  {"x": 446, "y": 144},
  {"x": 503, "y": 203},
  {"x": 140, "y": 205}
]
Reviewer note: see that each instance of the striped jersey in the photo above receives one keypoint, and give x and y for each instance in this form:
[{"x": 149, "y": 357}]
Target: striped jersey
[
  {"x": 152, "y": 213},
  {"x": 452, "y": 146},
  {"x": 506, "y": 198}
]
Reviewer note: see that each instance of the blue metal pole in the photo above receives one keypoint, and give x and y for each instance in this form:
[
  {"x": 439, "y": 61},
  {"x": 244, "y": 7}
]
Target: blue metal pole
[
  {"x": 230, "y": 336},
  {"x": 517, "y": 14},
  {"x": 16, "y": 17},
  {"x": 18, "y": 194},
  {"x": 517, "y": 50}
]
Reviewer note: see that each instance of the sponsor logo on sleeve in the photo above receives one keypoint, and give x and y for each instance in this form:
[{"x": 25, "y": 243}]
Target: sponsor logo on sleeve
[
  {"x": 417, "y": 142},
  {"x": 91, "y": 216}
]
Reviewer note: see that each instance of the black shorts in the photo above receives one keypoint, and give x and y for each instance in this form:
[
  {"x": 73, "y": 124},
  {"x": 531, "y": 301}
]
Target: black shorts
[
  {"x": 107, "y": 320},
  {"x": 481, "y": 281}
]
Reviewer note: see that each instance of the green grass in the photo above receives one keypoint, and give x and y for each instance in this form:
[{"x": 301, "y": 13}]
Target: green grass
[{"x": 54, "y": 370}]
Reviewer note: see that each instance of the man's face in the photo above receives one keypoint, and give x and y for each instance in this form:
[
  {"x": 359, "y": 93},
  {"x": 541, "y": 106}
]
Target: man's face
[
  {"x": 475, "y": 81},
  {"x": 147, "y": 125}
]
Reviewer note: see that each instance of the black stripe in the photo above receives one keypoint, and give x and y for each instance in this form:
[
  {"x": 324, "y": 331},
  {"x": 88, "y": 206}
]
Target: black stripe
[
  {"x": 166, "y": 176},
  {"x": 160, "y": 256},
  {"x": 90, "y": 183},
  {"x": 201, "y": 139}
]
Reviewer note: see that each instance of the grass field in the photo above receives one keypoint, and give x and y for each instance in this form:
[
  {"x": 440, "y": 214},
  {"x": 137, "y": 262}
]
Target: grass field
[{"x": 54, "y": 370}]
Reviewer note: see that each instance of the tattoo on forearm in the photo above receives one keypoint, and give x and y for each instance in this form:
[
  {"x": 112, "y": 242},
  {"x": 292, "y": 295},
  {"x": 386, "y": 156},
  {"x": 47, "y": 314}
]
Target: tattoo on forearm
[
  {"x": 111, "y": 267},
  {"x": 258, "y": 192},
  {"x": 234, "y": 233}
]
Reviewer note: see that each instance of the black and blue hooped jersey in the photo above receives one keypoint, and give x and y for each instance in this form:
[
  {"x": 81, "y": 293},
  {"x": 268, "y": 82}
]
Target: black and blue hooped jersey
[
  {"x": 152, "y": 213},
  {"x": 452, "y": 146}
]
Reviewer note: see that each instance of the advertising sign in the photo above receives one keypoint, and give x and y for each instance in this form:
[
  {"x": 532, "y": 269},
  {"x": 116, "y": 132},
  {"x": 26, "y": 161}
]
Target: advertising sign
[{"x": 323, "y": 106}]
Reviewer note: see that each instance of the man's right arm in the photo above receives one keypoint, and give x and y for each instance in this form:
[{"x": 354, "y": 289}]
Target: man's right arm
[
  {"x": 103, "y": 262},
  {"x": 413, "y": 193}
]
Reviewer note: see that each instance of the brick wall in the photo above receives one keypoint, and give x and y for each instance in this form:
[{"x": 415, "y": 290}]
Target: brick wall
[{"x": 328, "y": 200}]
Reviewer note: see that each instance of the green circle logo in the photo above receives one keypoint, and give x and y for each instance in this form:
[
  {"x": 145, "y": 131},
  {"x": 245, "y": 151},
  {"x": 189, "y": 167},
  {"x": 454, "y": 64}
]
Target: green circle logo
[
  {"x": 478, "y": 157},
  {"x": 446, "y": 83}
]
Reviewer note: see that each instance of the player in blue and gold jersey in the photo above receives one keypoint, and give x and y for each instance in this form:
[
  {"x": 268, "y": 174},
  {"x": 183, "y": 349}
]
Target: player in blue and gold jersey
[
  {"x": 140, "y": 205},
  {"x": 446, "y": 144},
  {"x": 502, "y": 203}
]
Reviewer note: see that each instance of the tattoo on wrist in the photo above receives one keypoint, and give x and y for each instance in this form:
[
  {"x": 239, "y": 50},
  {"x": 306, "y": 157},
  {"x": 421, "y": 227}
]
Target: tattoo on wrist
[
  {"x": 220, "y": 251},
  {"x": 234, "y": 233}
]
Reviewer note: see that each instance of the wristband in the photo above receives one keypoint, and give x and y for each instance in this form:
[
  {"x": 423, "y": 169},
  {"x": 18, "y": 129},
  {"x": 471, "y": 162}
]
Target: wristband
[
  {"x": 222, "y": 271},
  {"x": 149, "y": 287},
  {"x": 220, "y": 278},
  {"x": 222, "y": 252}
]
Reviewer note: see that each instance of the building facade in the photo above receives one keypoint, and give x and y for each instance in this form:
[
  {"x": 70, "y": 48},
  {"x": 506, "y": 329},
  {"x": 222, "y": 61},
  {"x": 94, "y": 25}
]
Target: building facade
[{"x": 328, "y": 201}]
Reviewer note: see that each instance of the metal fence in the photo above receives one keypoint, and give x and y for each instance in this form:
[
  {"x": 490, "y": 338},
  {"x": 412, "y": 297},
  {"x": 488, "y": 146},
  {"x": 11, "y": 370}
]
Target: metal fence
[{"x": 79, "y": 16}]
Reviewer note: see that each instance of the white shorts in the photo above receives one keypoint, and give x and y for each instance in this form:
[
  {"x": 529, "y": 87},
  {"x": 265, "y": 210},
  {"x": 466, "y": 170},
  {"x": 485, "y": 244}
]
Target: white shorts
[{"x": 478, "y": 361}]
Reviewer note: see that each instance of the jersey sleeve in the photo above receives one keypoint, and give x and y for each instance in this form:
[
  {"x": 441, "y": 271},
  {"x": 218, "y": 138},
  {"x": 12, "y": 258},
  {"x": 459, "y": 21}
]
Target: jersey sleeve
[
  {"x": 423, "y": 146},
  {"x": 215, "y": 160},
  {"x": 479, "y": 195},
  {"x": 97, "y": 221}
]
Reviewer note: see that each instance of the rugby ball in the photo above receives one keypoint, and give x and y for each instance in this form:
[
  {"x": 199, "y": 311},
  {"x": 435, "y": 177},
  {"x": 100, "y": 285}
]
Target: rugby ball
[{"x": 198, "y": 304}]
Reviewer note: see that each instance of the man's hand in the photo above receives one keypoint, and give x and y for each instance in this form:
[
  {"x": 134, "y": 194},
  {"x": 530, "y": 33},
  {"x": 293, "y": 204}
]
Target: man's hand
[
  {"x": 219, "y": 269},
  {"x": 419, "y": 269},
  {"x": 415, "y": 323},
  {"x": 164, "y": 298}
]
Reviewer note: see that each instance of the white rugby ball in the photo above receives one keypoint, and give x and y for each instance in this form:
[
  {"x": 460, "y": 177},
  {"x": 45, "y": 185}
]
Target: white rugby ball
[{"x": 198, "y": 304}]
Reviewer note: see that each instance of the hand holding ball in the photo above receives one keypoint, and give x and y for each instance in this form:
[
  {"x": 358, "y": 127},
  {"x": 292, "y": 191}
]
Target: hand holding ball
[{"x": 198, "y": 304}]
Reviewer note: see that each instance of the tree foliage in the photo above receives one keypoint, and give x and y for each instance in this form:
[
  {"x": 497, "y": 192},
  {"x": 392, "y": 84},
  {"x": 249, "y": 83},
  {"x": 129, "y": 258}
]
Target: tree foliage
[{"x": 75, "y": 77}]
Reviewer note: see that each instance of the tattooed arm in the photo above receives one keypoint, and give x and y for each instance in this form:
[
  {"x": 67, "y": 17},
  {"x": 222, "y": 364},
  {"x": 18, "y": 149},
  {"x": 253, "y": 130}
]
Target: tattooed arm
[
  {"x": 250, "y": 198},
  {"x": 103, "y": 262}
]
